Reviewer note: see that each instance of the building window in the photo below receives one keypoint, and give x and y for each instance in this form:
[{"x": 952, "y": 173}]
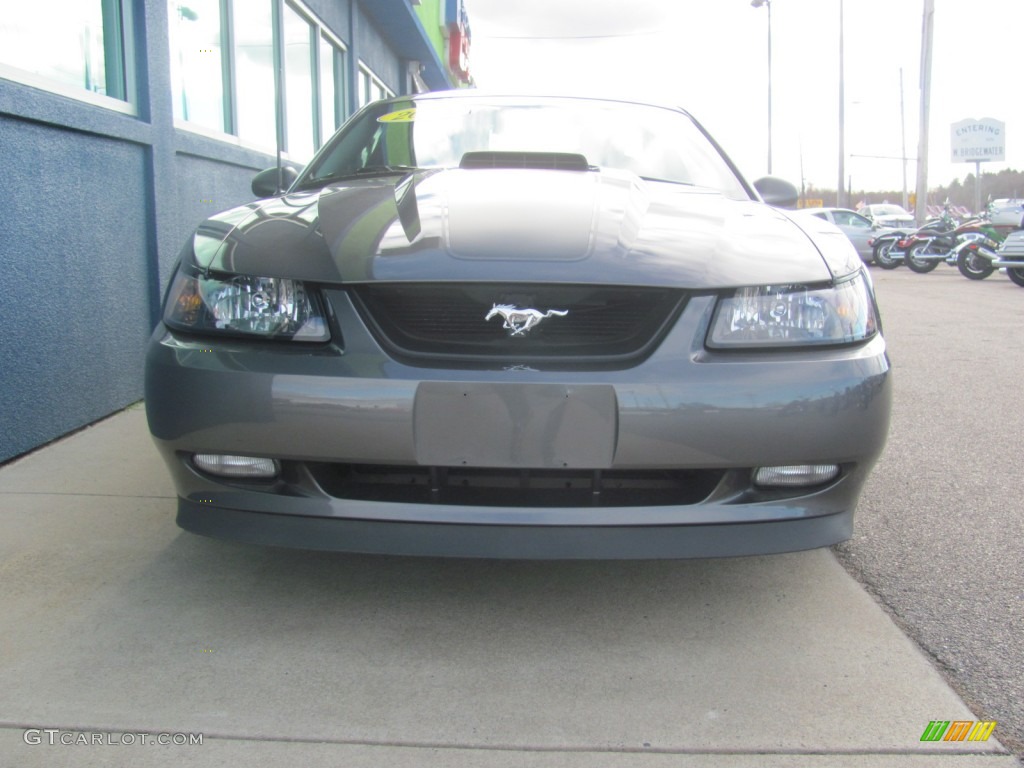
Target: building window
[
  {"x": 224, "y": 59},
  {"x": 371, "y": 87},
  {"x": 254, "y": 73},
  {"x": 73, "y": 44},
  {"x": 364, "y": 87},
  {"x": 298, "y": 70},
  {"x": 197, "y": 62},
  {"x": 332, "y": 86}
]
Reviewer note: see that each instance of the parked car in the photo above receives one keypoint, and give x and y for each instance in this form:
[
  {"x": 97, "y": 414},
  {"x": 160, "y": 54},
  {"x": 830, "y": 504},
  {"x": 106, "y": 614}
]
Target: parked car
[
  {"x": 887, "y": 215},
  {"x": 1006, "y": 213},
  {"x": 519, "y": 327},
  {"x": 859, "y": 229}
]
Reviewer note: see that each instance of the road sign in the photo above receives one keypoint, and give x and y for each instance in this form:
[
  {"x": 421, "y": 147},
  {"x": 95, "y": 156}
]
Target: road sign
[{"x": 975, "y": 141}]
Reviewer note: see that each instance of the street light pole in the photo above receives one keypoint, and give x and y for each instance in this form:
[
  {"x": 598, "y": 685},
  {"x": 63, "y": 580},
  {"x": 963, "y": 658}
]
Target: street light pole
[{"x": 768, "y": 5}]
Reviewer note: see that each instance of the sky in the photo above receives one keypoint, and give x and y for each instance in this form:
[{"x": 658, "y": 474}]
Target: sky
[{"x": 710, "y": 57}]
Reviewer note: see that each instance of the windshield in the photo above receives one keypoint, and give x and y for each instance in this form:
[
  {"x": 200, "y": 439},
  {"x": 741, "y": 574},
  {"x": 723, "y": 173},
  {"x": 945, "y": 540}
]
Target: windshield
[{"x": 652, "y": 142}]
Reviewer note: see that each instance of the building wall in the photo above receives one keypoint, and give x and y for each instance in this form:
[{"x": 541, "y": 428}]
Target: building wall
[
  {"x": 96, "y": 207},
  {"x": 76, "y": 310},
  {"x": 373, "y": 51},
  {"x": 336, "y": 15}
]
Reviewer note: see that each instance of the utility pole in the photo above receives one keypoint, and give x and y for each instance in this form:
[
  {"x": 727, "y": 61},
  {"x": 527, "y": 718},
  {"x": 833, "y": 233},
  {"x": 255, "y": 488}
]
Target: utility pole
[
  {"x": 927, "y": 28},
  {"x": 841, "y": 187},
  {"x": 903, "y": 141},
  {"x": 768, "y": 5}
]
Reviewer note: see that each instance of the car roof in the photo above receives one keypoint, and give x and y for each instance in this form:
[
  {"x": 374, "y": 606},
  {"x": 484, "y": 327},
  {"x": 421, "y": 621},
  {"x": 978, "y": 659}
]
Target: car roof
[{"x": 477, "y": 93}]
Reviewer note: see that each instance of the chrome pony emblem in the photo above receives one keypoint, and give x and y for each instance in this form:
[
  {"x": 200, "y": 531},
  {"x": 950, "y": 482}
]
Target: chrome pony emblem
[{"x": 519, "y": 321}]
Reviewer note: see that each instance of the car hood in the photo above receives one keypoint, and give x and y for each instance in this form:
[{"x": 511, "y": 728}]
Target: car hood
[{"x": 519, "y": 225}]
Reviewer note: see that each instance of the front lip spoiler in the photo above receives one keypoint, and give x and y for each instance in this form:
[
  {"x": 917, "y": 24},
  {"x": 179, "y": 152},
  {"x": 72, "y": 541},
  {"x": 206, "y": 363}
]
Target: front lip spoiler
[{"x": 513, "y": 541}]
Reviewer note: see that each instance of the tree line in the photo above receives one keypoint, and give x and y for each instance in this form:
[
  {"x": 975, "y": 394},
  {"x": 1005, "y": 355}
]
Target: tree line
[{"x": 1006, "y": 183}]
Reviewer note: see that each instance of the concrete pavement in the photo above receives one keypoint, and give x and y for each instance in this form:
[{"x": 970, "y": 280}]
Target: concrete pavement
[{"x": 115, "y": 622}]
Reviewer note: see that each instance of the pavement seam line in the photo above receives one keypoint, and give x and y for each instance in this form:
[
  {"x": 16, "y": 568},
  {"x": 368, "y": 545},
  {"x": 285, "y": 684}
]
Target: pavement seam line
[{"x": 852, "y": 752}]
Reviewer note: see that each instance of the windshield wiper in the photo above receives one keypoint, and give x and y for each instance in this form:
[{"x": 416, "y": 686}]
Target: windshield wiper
[
  {"x": 366, "y": 170},
  {"x": 669, "y": 181},
  {"x": 382, "y": 170}
]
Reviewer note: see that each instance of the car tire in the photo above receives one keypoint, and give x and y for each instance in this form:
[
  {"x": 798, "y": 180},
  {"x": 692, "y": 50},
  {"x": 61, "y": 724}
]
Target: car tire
[
  {"x": 1016, "y": 274},
  {"x": 882, "y": 258},
  {"x": 918, "y": 265},
  {"x": 973, "y": 266}
]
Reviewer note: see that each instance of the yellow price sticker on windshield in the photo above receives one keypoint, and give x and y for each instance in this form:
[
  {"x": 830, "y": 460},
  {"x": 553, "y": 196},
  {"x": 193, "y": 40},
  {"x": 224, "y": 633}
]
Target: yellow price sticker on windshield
[{"x": 401, "y": 116}]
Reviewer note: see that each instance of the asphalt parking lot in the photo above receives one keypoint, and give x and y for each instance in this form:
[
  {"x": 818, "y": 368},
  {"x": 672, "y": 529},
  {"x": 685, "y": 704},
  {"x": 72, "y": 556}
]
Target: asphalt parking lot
[
  {"x": 939, "y": 526},
  {"x": 121, "y": 626}
]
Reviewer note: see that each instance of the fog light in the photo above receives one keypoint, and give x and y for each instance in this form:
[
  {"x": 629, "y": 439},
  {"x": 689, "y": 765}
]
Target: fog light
[
  {"x": 235, "y": 466},
  {"x": 795, "y": 476}
]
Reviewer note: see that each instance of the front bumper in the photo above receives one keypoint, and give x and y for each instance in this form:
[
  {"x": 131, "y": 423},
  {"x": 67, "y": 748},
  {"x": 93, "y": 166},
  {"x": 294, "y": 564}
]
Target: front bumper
[{"x": 719, "y": 415}]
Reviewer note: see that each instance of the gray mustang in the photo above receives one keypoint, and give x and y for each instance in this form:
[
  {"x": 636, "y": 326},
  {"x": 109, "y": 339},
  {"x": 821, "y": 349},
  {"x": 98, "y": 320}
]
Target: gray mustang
[{"x": 493, "y": 326}]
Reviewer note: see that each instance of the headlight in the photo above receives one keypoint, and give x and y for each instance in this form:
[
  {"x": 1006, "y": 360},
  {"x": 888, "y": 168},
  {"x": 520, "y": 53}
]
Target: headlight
[
  {"x": 268, "y": 307},
  {"x": 795, "y": 316}
]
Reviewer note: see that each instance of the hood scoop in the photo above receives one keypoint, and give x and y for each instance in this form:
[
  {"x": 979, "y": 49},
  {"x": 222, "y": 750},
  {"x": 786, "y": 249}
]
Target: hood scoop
[
  {"x": 533, "y": 214},
  {"x": 542, "y": 161}
]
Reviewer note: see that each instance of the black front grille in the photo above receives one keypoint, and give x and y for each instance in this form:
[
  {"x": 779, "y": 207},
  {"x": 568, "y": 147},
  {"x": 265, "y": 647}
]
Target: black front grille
[
  {"x": 472, "y": 486},
  {"x": 599, "y": 323}
]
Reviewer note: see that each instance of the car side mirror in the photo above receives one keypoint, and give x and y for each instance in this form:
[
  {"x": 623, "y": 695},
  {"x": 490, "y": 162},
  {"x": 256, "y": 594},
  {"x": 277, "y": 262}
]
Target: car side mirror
[
  {"x": 265, "y": 183},
  {"x": 777, "y": 192}
]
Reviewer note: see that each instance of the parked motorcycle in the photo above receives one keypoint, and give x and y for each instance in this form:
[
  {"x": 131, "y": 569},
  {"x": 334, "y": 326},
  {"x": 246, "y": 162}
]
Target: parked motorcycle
[
  {"x": 980, "y": 257},
  {"x": 890, "y": 248},
  {"x": 975, "y": 253},
  {"x": 933, "y": 244}
]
